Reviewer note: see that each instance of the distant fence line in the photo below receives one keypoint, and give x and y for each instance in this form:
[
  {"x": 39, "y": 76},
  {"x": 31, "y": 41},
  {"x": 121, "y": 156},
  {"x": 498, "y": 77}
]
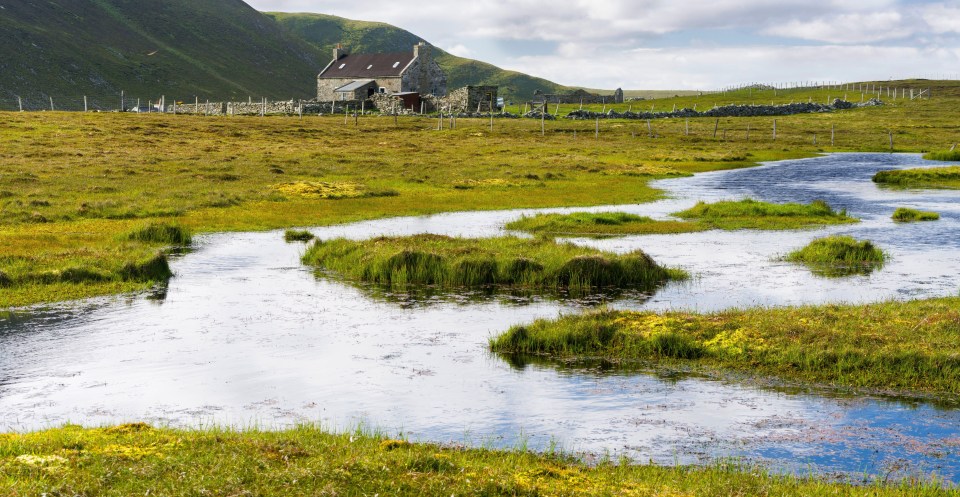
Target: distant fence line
[{"x": 195, "y": 105}]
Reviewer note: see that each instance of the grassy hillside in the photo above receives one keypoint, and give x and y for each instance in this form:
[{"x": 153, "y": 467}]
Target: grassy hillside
[
  {"x": 325, "y": 31},
  {"x": 180, "y": 48}
]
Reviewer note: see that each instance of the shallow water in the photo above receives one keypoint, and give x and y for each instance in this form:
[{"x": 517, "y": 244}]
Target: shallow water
[{"x": 244, "y": 335}]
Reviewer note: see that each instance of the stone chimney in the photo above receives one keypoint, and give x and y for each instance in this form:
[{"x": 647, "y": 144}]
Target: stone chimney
[
  {"x": 422, "y": 49},
  {"x": 340, "y": 52}
]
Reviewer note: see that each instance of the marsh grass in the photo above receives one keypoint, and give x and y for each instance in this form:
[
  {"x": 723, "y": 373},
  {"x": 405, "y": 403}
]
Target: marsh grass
[
  {"x": 137, "y": 459},
  {"x": 838, "y": 256},
  {"x": 162, "y": 233},
  {"x": 907, "y": 215},
  {"x": 600, "y": 224},
  {"x": 935, "y": 177},
  {"x": 754, "y": 214},
  {"x": 506, "y": 263},
  {"x": 291, "y": 236},
  {"x": 902, "y": 348},
  {"x": 944, "y": 155},
  {"x": 80, "y": 182}
]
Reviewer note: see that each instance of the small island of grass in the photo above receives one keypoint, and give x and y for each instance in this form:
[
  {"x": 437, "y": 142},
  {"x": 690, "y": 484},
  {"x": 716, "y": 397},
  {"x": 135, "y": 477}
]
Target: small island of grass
[
  {"x": 837, "y": 256},
  {"x": 509, "y": 263},
  {"x": 896, "y": 347},
  {"x": 600, "y": 224},
  {"x": 293, "y": 236},
  {"x": 753, "y": 214},
  {"x": 947, "y": 178},
  {"x": 907, "y": 215}
]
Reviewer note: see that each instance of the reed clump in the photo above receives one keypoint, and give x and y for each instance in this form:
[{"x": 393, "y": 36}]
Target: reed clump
[
  {"x": 292, "y": 236},
  {"x": 754, "y": 214},
  {"x": 162, "y": 233},
  {"x": 600, "y": 224},
  {"x": 837, "y": 256},
  {"x": 897, "y": 347},
  {"x": 508, "y": 263},
  {"x": 952, "y": 155},
  {"x": 908, "y": 215},
  {"x": 931, "y": 177}
]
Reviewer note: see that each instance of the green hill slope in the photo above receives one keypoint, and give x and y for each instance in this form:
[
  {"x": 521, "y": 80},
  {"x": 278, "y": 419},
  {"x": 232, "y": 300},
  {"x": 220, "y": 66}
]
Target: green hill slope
[
  {"x": 180, "y": 48},
  {"x": 325, "y": 31}
]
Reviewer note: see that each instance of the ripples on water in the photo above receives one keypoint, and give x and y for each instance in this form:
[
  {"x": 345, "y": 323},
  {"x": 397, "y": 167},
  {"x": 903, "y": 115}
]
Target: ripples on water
[{"x": 244, "y": 335}]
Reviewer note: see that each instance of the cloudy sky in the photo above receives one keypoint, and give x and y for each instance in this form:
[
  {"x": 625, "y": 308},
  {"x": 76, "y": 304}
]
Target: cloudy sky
[{"x": 679, "y": 44}]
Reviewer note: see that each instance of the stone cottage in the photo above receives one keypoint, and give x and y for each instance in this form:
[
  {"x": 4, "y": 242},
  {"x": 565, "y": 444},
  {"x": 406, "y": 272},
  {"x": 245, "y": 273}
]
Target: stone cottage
[{"x": 359, "y": 76}]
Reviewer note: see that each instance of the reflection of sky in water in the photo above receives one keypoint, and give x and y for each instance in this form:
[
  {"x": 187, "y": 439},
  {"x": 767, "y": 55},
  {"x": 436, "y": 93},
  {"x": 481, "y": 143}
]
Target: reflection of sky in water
[{"x": 247, "y": 336}]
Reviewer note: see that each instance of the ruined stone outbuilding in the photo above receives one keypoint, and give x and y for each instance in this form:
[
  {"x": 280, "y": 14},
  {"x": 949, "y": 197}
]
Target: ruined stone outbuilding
[{"x": 360, "y": 76}]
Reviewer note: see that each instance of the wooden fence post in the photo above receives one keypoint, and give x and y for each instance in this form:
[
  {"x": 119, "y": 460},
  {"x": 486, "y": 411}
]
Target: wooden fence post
[
  {"x": 774, "y": 130},
  {"x": 715, "y": 127},
  {"x": 833, "y": 132},
  {"x": 20, "y": 103},
  {"x": 51, "y": 103},
  {"x": 85, "y": 103}
]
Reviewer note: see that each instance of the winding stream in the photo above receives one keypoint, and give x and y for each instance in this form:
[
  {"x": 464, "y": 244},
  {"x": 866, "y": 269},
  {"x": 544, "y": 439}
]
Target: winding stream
[{"x": 246, "y": 336}]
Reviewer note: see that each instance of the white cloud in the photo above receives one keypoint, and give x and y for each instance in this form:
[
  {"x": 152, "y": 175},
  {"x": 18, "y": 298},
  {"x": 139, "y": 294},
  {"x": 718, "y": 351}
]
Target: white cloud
[
  {"x": 942, "y": 19},
  {"x": 679, "y": 43},
  {"x": 847, "y": 28},
  {"x": 707, "y": 69},
  {"x": 460, "y": 50}
]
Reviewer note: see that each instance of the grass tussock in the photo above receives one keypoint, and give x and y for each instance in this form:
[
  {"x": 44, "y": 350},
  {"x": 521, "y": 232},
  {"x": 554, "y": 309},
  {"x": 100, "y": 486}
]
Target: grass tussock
[
  {"x": 508, "y": 263},
  {"x": 292, "y": 236},
  {"x": 934, "y": 177},
  {"x": 943, "y": 155},
  {"x": 837, "y": 256},
  {"x": 600, "y": 224},
  {"x": 753, "y": 214},
  {"x": 907, "y": 215},
  {"x": 162, "y": 233},
  {"x": 904, "y": 348},
  {"x": 137, "y": 459}
]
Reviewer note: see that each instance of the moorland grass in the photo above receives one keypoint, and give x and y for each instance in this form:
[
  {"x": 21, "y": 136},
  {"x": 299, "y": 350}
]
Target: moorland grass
[
  {"x": 291, "y": 236},
  {"x": 943, "y": 155},
  {"x": 757, "y": 215},
  {"x": 72, "y": 184},
  {"x": 898, "y": 347},
  {"x": 599, "y": 224},
  {"x": 136, "y": 459},
  {"x": 934, "y": 177},
  {"x": 908, "y": 215},
  {"x": 509, "y": 263}
]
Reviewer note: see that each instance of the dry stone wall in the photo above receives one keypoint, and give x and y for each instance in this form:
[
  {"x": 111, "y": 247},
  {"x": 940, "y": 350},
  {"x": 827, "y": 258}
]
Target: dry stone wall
[{"x": 728, "y": 111}]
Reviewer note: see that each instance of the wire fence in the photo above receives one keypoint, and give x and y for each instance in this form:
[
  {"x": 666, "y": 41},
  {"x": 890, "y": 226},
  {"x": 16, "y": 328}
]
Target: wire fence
[{"x": 114, "y": 103}]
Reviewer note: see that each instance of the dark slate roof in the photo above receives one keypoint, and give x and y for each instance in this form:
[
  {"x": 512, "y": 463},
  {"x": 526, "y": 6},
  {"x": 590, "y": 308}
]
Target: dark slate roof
[{"x": 368, "y": 66}]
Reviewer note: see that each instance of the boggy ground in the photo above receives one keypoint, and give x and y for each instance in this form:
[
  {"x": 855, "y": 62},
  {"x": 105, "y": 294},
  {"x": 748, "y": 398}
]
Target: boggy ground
[
  {"x": 137, "y": 459},
  {"x": 72, "y": 184},
  {"x": 903, "y": 348}
]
